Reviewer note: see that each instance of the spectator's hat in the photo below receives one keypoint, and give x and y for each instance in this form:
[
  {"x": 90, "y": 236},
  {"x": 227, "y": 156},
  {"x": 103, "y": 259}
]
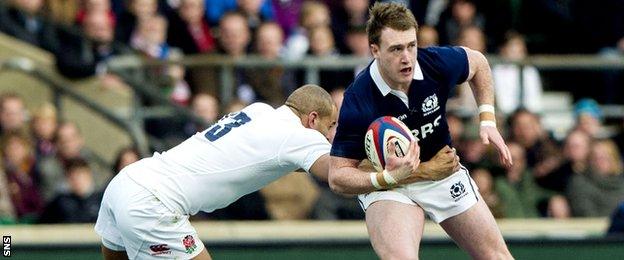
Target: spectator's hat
[{"x": 587, "y": 106}]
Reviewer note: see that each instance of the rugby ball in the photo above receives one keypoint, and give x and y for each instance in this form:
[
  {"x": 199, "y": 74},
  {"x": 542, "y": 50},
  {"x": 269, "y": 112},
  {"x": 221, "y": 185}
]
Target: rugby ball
[{"x": 382, "y": 132}]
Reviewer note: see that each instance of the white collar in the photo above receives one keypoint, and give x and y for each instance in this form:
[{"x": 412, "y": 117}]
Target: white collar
[{"x": 385, "y": 89}]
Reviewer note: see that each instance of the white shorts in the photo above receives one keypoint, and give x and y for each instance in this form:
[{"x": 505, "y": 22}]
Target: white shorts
[
  {"x": 440, "y": 199},
  {"x": 132, "y": 219}
]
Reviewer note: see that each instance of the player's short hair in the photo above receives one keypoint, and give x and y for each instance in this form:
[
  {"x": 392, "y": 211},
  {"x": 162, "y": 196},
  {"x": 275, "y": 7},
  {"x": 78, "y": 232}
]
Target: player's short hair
[
  {"x": 309, "y": 98},
  {"x": 393, "y": 15}
]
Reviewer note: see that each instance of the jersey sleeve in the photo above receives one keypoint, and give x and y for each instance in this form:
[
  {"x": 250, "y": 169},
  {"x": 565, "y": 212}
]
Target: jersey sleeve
[
  {"x": 452, "y": 63},
  {"x": 303, "y": 148},
  {"x": 352, "y": 125}
]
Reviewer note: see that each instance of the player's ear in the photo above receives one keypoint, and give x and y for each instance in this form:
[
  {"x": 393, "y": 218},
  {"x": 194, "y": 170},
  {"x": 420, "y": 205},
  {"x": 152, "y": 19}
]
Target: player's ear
[
  {"x": 313, "y": 119},
  {"x": 375, "y": 50}
]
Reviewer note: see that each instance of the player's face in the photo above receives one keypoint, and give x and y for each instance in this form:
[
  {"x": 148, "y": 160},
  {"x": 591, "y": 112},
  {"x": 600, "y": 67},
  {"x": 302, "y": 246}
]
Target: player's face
[
  {"x": 325, "y": 124},
  {"x": 396, "y": 56}
]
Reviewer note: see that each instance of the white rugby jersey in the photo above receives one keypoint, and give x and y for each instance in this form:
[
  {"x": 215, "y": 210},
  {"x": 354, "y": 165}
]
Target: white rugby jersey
[{"x": 240, "y": 154}]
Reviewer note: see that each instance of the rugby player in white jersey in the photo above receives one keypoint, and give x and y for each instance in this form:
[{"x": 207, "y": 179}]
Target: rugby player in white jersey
[{"x": 145, "y": 209}]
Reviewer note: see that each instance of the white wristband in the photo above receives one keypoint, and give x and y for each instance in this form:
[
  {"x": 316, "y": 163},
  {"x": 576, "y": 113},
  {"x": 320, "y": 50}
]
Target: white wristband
[
  {"x": 373, "y": 177},
  {"x": 488, "y": 123},
  {"x": 388, "y": 178},
  {"x": 486, "y": 108}
]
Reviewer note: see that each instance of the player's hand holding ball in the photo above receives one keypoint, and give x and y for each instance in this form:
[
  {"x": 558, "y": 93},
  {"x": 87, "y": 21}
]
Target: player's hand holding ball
[
  {"x": 392, "y": 150},
  {"x": 403, "y": 166}
]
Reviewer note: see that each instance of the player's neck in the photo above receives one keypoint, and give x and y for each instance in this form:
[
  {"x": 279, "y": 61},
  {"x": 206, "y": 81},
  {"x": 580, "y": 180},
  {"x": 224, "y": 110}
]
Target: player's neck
[{"x": 403, "y": 87}]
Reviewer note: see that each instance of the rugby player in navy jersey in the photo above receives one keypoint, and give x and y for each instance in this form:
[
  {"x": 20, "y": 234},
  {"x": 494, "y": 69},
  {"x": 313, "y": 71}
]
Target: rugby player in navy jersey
[{"x": 413, "y": 85}]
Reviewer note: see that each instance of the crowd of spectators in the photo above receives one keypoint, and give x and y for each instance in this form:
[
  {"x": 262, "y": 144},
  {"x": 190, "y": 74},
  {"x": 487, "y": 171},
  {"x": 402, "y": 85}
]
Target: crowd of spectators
[{"x": 48, "y": 175}]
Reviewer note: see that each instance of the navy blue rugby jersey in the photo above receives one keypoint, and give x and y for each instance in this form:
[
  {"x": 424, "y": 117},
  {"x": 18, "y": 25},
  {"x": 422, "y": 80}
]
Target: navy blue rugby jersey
[{"x": 423, "y": 109}]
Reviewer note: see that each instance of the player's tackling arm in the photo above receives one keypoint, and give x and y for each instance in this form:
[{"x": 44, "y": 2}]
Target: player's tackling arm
[
  {"x": 320, "y": 168},
  {"x": 482, "y": 85},
  {"x": 345, "y": 177}
]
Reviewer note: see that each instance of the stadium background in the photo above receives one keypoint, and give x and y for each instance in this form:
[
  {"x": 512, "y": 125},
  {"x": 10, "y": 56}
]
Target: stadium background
[{"x": 148, "y": 96}]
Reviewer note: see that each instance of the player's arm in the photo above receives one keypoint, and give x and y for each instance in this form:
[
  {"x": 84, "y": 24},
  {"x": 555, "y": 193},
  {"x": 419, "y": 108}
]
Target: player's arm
[
  {"x": 345, "y": 177},
  {"x": 482, "y": 85},
  {"x": 442, "y": 165},
  {"x": 320, "y": 168}
]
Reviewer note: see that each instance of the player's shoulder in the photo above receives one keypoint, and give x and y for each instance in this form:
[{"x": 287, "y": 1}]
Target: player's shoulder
[
  {"x": 439, "y": 53},
  {"x": 258, "y": 108},
  {"x": 361, "y": 83}
]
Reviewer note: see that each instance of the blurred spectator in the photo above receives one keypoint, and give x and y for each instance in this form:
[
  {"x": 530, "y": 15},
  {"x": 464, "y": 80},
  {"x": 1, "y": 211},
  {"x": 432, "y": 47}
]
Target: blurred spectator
[
  {"x": 357, "y": 43},
  {"x": 149, "y": 39},
  {"x": 19, "y": 164},
  {"x": 43, "y": 127},
  {"x": 135, "y": 11},
  {"x": 558, "y": 208},
  {"x": 589, "y": 117},
  {"x": 427, "y": 36},
  {"x": 206, "y": 107},
  {"x": 511, "y": 91},
  {"x": 330, "y": 205},
  {"x": 518, "y": 191},
  {"x": 255, "y": 11},
  {"x": 7, "y": 210},
  {"x": 70, "y": 145},
  {"x": 271, "y": 84},
  {"x": 269, "y": 41},
  {"x": 473, "y": 38},
  {"x": 619, "y": 137},
  {"x": 62, "y": 11},
  {"x": 353, "y": 13},
  {"x": 90, "y": 7},
  {"x": 456, "y": 127},
  {"x": 23, "y": 21},
  {"x": 322, "y": 45},
  {"x": 338, "y": 95},
  {"x": 234, "y": 35},
  {"x": 287, "y": 14},
  {"x": 597, "y": 192},
  {"x": 290, "y": 197},
  {"x": 470, "y": 148},
  {"x": 459, "y": 15},
  {"x": 434, "y": 11},
  {"x": 614, "y": 79},
  {"x": 542, "y": 153},
  {"x": 189, "y": 29},
  {"x": 81, "y": 203},
  {"x": 85, "y": 57},
  {"x": 13, "y": 113},
  {"x": 485, "y": 183},
  {"x": 126, "y": 156},
  {"x": 234, "y": 39},
  {"x": 313, "y": 14},
  {"x": 575, "y": 161},
  {"x": 234, "y": 105}
]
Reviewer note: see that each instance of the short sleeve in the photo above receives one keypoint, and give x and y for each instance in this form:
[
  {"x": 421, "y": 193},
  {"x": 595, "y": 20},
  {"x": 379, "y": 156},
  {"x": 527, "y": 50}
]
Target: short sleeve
[
  {"x": 452, "y": 63},
  {"x": 352, "y": 125},
  {"x": 303, "y": 148}
]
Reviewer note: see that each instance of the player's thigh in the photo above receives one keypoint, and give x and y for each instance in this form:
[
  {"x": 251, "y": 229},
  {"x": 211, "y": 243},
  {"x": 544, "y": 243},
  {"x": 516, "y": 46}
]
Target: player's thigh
[
  {"x": 110, "y": 254},
  {"x": 395, "y": 229},
  {"x": 476, "y": 231}
]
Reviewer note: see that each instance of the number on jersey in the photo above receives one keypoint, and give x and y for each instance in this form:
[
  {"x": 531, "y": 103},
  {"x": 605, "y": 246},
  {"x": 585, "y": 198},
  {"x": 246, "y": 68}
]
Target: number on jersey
[{"x": 226, "y": 124}]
